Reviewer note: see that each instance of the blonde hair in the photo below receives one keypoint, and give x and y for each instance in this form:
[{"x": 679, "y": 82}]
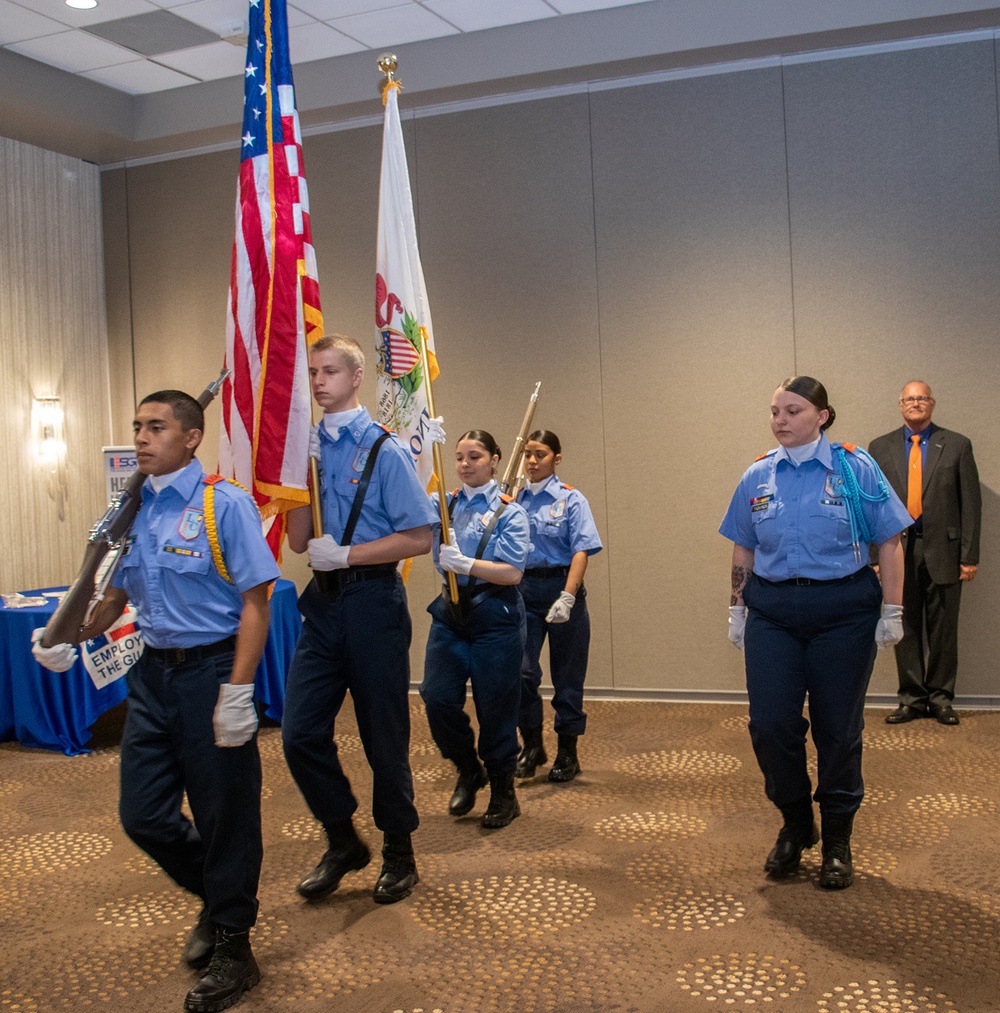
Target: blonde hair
[{"x": 347, "y": 347}]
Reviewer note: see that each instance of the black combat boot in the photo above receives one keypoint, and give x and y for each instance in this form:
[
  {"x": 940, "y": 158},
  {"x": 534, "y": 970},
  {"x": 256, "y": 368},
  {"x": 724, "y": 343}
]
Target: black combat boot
[
  {"x": 533, "y": 753},
  {"x": 503, "y": 807},
  {"x": 798, "y": 833},
  {"x": 399, "y": 870},
  {"x": 347, "y": 853},
  {"x": 837, "y": 872},
  {"x": 231, "y": 972},
  {"x": 566, "y": 766},
  {"x": 201, "y": 942},
  {"x": 471, "y": 777}
]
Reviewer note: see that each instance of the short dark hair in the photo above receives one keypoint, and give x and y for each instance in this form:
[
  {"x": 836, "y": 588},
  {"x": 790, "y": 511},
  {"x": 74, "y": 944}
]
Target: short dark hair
[
  {"x": 813, "y": 391},
  {"x": 547, "y": 437},
  {"x": 483, "y": 437},
  {"x": 186, "y": 409}
]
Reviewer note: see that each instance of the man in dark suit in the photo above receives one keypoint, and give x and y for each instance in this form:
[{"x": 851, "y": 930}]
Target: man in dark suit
[{"x": 934, "y": 473}]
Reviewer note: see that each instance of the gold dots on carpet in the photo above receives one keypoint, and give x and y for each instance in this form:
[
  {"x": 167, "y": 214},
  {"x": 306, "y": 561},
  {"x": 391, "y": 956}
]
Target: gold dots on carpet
[
  {"x": 879, "y": 796},
  {"x": 17, "y": 1002},
  {"x": 737, "y": 723},
  {"x": 142, "y": 865},
  {"x": 904, "y": 738},
  {"x": 687, "y": 910},
  {"x": 11, "y": 787},
  {"x": 642, "y": 827},
  {"x": 682, "y": 764},
  {"x": 950, "y": 805},
  {"x": 503, "y": 908},
  {"x": 440, "y": 775},
  {"x": 883, "y": 997},
  {"x": 305, "y": 828},
  {"x": 38, "y": 854},
  {"x": 740, "y": 979},
  {"x": 147, "y": 909},
  {"x": 332, "y": 968},
  {"x": 868, "y": 860}
]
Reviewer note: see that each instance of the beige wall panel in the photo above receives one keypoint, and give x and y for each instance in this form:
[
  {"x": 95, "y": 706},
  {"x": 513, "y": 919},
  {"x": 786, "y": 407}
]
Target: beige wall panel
[
  {"x": 505, "y": 216},
  {"x": 894, "y": 186},
  {"x": 52, "y": 343},
  {"x": 696, "y": 330}
]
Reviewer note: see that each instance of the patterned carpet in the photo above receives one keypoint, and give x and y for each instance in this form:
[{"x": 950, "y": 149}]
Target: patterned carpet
[{"x": 636, "y": 888}]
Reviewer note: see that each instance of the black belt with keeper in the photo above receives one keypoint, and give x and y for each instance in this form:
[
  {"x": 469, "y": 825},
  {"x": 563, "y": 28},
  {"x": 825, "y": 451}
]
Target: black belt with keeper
[
  {"x": 183, "y": 655},
  {"x": 806, "y": 581},
  {"x": 334, "y": 581},
  {"x": 547, "y": 571}
]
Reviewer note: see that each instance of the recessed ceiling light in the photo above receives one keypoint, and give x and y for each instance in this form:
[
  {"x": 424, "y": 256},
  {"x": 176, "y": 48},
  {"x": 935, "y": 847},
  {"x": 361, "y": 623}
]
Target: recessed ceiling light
[{"x": 82, "y": 5}]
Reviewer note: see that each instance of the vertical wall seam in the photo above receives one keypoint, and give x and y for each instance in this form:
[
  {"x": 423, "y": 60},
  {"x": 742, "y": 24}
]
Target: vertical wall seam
[{"x": 788, "y": 212}]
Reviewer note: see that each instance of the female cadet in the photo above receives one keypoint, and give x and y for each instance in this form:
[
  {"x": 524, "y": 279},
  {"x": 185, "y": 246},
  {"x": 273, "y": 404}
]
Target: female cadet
[
  {"x": 805, "y": 609},
  {"x": 563, "y": 537},
  {"x": 481, "y": 637}
]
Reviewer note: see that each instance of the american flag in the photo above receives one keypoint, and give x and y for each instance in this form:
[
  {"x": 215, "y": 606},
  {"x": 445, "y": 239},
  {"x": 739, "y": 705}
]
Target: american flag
[{"x": 274, "y": 308}]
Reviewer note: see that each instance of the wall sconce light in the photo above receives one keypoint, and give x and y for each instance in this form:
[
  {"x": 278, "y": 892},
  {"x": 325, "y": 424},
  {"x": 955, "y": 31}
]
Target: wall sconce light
[{"x": 47, "y": 423}]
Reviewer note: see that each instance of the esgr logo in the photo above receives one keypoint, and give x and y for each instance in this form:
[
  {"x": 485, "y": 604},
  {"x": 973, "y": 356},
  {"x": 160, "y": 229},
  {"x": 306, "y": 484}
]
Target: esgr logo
[{"x": 129, "y": 461}]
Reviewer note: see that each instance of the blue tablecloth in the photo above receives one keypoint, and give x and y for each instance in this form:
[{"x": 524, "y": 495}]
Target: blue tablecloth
[{"x": 55, "y": 711}]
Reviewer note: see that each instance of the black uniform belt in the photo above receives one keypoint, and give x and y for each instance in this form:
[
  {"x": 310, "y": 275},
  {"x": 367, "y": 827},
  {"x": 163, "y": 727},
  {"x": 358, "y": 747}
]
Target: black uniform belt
[
  {"x": 547, "y": 571},
  {"x": 331, "y": 581},
  {"x": 182, "y": 655},
  {"x": 811, "y": 580},
  {"x": 464, "y": 598}
]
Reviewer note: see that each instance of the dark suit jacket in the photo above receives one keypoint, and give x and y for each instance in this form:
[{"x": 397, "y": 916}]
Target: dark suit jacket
[{"x": 952, "y": 500}]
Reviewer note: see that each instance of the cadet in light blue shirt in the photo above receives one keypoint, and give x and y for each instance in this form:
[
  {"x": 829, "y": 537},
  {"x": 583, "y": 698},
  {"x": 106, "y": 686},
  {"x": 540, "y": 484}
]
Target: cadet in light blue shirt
[
  {"x": 563, "y": 537},
  {"x": 809, "y": 612},
  {"x": 480, "y": 638}
]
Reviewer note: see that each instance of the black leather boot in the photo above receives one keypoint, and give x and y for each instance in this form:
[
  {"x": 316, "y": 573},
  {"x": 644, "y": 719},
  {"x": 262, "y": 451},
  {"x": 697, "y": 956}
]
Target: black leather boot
[
  {"x": 566, "y": 765},
  {"x": 399, "y": 870},
  {"x": 837, "y": 872},
  {"x": 503, "y": 807},
  {"x": 231, "y": 972},
  {"x": 347, "y": 853},
  {"x": 471, "y": 777},
  {"x": 798, "y": 833},
  {"x": 201, "y": 942},
  {"x": 533, "y": 753}
]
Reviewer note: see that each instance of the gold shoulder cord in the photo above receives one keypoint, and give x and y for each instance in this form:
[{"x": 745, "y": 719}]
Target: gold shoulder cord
[{"x": 212, "y": 531}]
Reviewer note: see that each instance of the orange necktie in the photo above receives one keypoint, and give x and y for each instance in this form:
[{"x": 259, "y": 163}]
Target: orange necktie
[{"x": 915, "y": 479}]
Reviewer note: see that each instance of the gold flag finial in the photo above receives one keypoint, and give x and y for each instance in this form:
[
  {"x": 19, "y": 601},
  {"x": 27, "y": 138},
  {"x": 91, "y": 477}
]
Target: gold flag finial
[{"x": 387, "y": 63}]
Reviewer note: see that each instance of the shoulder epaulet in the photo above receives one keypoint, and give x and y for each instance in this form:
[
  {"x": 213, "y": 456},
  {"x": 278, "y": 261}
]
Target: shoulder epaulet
[
  {"x": 505, "y": 498},
  {"x": 849, "y": 447},
  {"x": 568, "y": 488},
  {"x": 216, "y": 479},
  {"x": 391, "y": 432},
  {"x": 761, "y": 457}
]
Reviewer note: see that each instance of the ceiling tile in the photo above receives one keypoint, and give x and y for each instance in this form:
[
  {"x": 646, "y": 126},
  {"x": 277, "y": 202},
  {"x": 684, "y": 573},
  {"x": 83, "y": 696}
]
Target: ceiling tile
[
  {"x": 574, "y": 6},
  {"x": 326, "y": 10},
  {"x": 393, "y": 27},
  {"x": 74, "y": 51},
  {"x": 106, "y": 10},
  {"x": 139, "y": 77},
  {"x": 473, "y": 15},
  {"x": 215, "y": 15},
  {"x": 317, "y": 42},
  {"x": 16, "y": 24},
  {"x": 207, "y": 63},
  {"x": 153, "y": 33}
]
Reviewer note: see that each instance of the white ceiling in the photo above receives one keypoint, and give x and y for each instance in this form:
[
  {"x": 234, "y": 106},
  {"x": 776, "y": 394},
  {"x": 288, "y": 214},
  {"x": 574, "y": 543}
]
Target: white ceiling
[{"x": 52, "y": 33}]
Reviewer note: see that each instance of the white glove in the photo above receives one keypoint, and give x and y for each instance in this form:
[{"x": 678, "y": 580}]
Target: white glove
[
  {"x": 314, "y": 441},
  {"x": 450, "y": 557},
  {"x": 737, "y": 624},
  {"x": 326, "y": 554},
  {"x": 235, "y": 717},
  {"x": 561, "y": 608},
  {"x": 435, "y": 430},
  {"x": 890, "y": 627},
  {"x": 58, "y": 658}
]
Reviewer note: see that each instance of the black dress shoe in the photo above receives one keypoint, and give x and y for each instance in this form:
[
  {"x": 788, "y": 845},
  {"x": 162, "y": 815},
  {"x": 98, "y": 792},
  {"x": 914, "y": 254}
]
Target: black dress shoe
[
  {"x": 566, "y": 765},
  {"x": 231, "y": 972},
  {"x": 332, "y": 868},
  {"x": 903, "y": 713},
  {"x": 945, "y": 715},
  {"x": 399, "y": 870},
  {"x": 532, "y": 755},
  {"x": 201, "y": 943}
]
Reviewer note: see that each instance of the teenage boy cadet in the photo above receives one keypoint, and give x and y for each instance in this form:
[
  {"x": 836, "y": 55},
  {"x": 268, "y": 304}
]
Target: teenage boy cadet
[
  {"x": 356, "y": 634},
  {"x": 191, "y": 723}
]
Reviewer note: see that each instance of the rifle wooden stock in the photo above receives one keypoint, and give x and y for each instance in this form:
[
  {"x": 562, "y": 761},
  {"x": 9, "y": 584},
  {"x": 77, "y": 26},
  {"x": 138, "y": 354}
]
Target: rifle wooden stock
[
  {"x": 514, "y": 464},
  {"x": 66, "y": 624}
]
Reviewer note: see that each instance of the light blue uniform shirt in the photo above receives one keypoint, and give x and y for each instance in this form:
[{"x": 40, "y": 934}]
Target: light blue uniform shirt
[
  {"x": 561, "y": 524},
  {"x": 395, "y": 500},
  {"x": 795, "y": 519},
  {"x": 509, "y": 541},
  {"x": 168, "y": 571}
]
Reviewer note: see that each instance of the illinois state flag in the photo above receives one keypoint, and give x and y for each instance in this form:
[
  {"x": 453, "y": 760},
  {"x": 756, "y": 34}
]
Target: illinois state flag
[
  {"x": 402, "y": 312},
  {"x": 274, "y": 308}
]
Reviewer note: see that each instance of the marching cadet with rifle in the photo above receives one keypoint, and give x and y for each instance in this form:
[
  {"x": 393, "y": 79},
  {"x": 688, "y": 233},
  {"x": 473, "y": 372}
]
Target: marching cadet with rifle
[
  {"x": 356, "y": 634},
  {"x": 199, "y": 572}
]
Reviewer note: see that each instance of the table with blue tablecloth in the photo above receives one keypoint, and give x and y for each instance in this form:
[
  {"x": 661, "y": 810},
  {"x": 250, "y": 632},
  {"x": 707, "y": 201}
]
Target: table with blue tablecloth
[{"x": 55, "y": 710}]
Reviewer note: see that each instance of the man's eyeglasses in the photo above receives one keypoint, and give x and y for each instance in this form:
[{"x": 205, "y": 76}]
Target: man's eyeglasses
[{"x": 920, "y": 399}]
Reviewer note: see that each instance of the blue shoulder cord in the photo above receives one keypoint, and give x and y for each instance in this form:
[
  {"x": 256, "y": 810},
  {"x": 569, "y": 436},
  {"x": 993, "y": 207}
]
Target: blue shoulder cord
[{"x": 854, "y": 494}]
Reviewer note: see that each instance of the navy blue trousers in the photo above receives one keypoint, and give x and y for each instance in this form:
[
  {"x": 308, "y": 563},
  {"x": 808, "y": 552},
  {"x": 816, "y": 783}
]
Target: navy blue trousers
[
  {"x": 168, "y": 747},
  {"x": 357, "y": 640},
  {"x": 485, "y": 649},
  {"x": 569, "y": 649},
  {"x": 816, "y": 640}
]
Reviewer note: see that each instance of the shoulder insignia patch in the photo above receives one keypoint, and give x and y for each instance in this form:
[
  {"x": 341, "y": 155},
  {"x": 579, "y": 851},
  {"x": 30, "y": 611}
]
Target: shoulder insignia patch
[
  {"x": 760, "y": 457},
  {"x": 849, "y": 447},
  {"x": 568, "y": 488},
  {"x": 392, "y": 432},
  {"x": 212, "y": 479},
  {"x": 506, "y": 498}
]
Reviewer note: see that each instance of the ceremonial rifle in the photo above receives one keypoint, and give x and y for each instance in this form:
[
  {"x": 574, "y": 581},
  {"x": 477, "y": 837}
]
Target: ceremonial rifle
[
  {"x": 510, "y": 476},
  {"x": 76, "y": 608}
]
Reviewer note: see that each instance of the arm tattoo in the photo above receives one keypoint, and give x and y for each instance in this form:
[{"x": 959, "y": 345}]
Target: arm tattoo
[{"x": 741, "y": 574}]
